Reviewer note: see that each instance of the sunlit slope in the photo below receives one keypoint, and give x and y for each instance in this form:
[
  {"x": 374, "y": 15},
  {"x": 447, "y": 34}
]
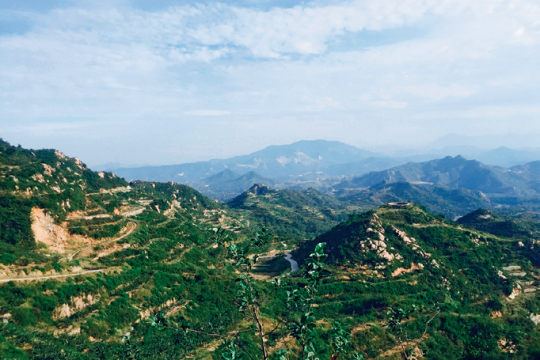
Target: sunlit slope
[
  {"x": 478, "y": 288},
  {"x": 299, "y": 213}
]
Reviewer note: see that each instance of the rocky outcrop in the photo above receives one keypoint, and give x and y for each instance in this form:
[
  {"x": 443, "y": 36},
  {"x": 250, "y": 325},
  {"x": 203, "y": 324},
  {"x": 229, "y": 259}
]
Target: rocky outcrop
[{"x": 56, "y": 237}]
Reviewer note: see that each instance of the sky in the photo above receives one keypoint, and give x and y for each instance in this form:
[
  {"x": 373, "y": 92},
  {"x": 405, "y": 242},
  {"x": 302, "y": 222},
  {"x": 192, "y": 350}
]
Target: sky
[{"x": 139, "y": 82}]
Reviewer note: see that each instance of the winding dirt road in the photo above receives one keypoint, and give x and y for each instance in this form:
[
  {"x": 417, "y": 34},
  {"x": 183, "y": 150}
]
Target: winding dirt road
[
  {"x": 134, "y": 226},
  {"x": 70, "y": 257},
  {"x": 52, "y": 276}
]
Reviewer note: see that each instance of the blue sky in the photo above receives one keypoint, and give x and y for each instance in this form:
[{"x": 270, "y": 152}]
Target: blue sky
[{"x": 161, "y": 82}]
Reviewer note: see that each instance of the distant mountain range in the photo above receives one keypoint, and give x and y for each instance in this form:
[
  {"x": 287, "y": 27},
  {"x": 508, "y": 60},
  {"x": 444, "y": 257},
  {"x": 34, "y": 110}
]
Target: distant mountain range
[
  {"x": 277, "y": 162},
  {"x": 438, "y": 199},
  {"x": 319, "y": 158},
  {"x": 457, "y": 172},
  {"x": 451, "y": 185}
]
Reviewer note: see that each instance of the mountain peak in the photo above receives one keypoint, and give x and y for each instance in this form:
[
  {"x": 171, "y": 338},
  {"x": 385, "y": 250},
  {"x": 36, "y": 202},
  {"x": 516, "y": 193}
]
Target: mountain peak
[{"x": 259, "y": 189}]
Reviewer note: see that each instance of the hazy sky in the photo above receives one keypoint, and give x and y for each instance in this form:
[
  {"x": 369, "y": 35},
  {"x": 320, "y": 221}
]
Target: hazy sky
[{"x": 157, "y": 82}]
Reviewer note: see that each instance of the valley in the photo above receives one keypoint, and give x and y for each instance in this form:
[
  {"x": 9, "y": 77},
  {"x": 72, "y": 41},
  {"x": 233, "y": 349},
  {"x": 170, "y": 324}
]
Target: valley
[{"x": 94, "y": 267}]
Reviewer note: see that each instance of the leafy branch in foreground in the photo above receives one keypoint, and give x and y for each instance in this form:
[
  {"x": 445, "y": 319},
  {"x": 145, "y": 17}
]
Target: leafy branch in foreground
[
  {"x": 397, "y": 318},
  {"x": 302, "y": 300},
  {"x": 341, "y": 342},
  {"x": 248, "y": 296},
  {"x": 299, "y": 300}
]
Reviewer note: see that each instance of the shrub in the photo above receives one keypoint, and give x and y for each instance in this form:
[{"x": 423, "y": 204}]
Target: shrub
[
  {"x": 45, "y": 303},
  {"x": 8, "y": 259},
  {"x": 24, "y": 316}
]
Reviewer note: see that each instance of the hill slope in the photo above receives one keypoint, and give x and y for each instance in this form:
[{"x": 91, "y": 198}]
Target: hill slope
[
  {"x": 227, "y": 184},
  {"x": 301, "y": 213},
  {"x": 511, "y": 227},
  {"x": 438, "y": 199},
  {"x": 459, "y": 281},
  {"x": 138, "y": 273}
]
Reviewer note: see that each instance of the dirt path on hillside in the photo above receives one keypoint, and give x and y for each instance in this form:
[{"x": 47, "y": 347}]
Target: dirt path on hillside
[
  {"x": 52, "y": 276},
  {"x": 88, "y": 250}
]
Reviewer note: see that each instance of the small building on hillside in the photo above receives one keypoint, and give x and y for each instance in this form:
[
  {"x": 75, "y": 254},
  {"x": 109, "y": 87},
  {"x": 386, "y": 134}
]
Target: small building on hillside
[{"x": 399, "y": 205}]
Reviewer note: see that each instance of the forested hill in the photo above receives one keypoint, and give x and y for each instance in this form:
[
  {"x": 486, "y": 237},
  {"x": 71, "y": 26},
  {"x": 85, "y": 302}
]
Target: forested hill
[
  {"x": 518, "y": 226},
  {"x": 46, "y": 179},
  {"x": 483, "y": 287},
  {"x": 302, "y": 214}
]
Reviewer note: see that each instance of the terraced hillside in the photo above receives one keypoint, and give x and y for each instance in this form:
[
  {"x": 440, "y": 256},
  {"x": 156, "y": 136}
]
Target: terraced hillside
[
  {"x": 438, "y": 199},
  {"x": 488, "y": 221},
  {"x": 300, "y": 213},
  {"x": 85, "y": 256},
  {"x": 477, "y": 290},
  {"x": 95, "y": 268}
]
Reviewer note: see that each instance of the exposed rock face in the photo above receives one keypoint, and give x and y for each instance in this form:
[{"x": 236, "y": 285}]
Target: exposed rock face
[
  {"x": 39, "y": 178},
  {"x": 60, "y": 155},
  {"x": 56, "y": 237},
  {"x": 507, "y": 346},
  {"x": 48, "y": 169},
  {"x": 412, "y": 243},
  {"x": 78, "y": 163},
  {"x": 77, "y": 303},
  {"x": 514, "y": 294},
  {"x": 377, "y": 241},
  {"x": 401, "y": 270},
  {"x": 47, "y": 232}
]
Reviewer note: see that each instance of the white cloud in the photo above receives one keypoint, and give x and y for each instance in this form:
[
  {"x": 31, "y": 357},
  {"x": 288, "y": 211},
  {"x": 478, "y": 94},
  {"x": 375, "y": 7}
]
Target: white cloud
[
  {"x": 116, "y": 62},
  {"x": 438, "y": 92},
  {"x": 390, "y": 104},
  {"x": 207, "y": 112}
]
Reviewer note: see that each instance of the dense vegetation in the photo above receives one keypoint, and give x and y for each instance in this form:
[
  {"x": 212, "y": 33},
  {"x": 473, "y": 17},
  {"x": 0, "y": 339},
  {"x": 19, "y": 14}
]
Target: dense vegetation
[
  {"x": 300, "y": 213},
  {"x": 177, "y": 275}
]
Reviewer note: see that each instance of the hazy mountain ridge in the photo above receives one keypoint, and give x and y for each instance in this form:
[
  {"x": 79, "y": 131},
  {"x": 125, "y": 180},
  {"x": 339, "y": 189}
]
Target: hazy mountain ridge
[
  {"x": 227, "y": 184},
  {"x": 276, "y": 162},
  {"x": 451, "y": 185},
  {"x": 456, "y": 172},
  {"x": 438, "y": 199},
  {"x": 324, "y": 164}
]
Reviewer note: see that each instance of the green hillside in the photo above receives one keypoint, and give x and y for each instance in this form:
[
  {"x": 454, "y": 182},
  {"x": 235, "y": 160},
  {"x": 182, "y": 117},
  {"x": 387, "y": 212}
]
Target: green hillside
[
  {"x": 438, "y": 199},
  {"x": 92, "y": 267},
  {"x": 482, "y": 287},
  {"x": 487, "y": 221},
  {"x": 298, "y": 213},
  {"x": 44, "y": 179}
]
